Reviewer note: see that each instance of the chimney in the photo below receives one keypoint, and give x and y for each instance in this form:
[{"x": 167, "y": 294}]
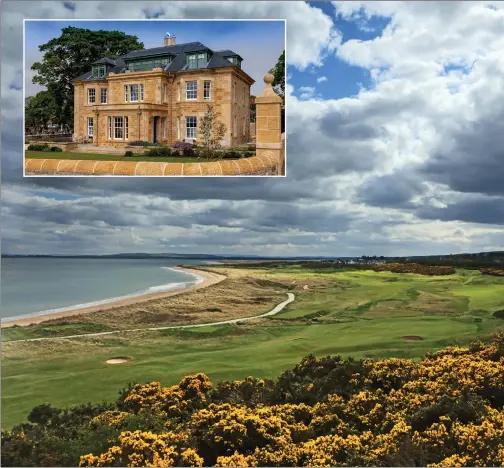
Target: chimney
[{"x": 169, "y": 40}]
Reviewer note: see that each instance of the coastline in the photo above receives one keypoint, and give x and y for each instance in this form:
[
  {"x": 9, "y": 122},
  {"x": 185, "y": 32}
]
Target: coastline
[{"x": 207, "y": 279}]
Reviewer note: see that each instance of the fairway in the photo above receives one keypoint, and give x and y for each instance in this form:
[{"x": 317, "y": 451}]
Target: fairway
[{"x": 352, "y": 313}]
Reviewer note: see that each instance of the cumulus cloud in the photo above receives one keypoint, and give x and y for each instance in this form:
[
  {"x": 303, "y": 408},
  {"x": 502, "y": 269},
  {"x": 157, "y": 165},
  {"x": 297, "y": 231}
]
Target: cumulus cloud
[
  {"x": 307, "y": 92},
  {"x": 411, "y": 165},
  {"x": 321, "y": 79}
]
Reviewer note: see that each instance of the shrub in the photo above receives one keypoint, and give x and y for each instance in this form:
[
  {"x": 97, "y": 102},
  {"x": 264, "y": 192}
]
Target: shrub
[
  {"x": 230, "y": 155},
  {"x": 56, "y": 149},
  {"x": 140, "y": 143},
  {"x": 46, "y": 149},
  {"x": 159, "y": 151},
  {"x": 182, "y": 145},
  {"x": 248, "y": 154},
  {"x": 239, "y": 148},
  {"x": 128, "y": 153},
  {"x": 444, "y": 410},
  {"x": 37, "y": 147},
  {"x": 499, "y": 314},
  {"x": 188, "y": 152}
]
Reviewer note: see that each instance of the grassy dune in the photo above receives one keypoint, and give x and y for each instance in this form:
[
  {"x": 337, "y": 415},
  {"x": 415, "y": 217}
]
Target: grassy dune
[{"x": 352, "y": 313}]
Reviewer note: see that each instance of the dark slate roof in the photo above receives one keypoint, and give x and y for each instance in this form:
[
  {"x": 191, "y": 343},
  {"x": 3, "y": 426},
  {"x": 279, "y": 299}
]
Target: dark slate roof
[
  {"x": 217, "y": 59},
  {"x": 228, "y": 53},
  {"x": 166, "y": 50},
  {"x": 105, "y": 60},
  {"x": 118, "y": 66}
]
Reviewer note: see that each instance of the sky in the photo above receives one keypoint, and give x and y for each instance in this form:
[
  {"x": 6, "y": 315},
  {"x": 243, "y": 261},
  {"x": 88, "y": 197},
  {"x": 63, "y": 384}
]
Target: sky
[
  {"x": 259, "y": 43},
  {"x": 395, "y": 143}
]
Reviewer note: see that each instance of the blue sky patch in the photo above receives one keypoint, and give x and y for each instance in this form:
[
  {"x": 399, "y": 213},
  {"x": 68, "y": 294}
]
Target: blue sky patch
[{"x": 343, "y": 80}]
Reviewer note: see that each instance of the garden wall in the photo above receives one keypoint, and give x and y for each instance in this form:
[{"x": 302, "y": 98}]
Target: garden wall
[{"x": 256, "y": 165}]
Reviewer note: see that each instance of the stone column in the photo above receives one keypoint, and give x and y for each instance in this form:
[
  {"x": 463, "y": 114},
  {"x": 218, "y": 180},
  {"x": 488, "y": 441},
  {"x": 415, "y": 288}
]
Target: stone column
[{"x": 268, "y": 124}]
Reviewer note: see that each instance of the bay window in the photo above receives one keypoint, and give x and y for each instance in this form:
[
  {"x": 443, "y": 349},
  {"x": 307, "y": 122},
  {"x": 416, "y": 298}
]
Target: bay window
[
  {"x": 134, "y": 93},
  {"x": 118, "y": 128},
  {"x": 191, "y": 127},
  {"x": 90, "y": 126}
]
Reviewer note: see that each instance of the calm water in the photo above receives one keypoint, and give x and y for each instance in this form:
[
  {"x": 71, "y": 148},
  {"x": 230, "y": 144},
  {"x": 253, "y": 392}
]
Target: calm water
[{"x": 34, "y": 285}]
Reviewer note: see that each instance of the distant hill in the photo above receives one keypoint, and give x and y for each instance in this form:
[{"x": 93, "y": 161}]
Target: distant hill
[
  {"x": 134, "y": 255},
  {"x": 479, "y": 259}
]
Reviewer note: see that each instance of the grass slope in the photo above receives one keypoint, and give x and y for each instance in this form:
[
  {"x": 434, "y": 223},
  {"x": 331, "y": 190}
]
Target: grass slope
[{"x": 360, "y": 314}]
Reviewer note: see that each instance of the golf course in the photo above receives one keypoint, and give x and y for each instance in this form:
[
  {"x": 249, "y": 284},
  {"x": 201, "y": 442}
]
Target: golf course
[{"x": 347, "y": 312}]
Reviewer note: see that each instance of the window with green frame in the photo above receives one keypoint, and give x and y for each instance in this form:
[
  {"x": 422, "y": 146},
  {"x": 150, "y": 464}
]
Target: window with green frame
[
  {"x": 99, "y": 71},
  {"x": 149, "y": 64},
  {"x": 198, "y": 60},
  {"x": 235, "y": 60}
]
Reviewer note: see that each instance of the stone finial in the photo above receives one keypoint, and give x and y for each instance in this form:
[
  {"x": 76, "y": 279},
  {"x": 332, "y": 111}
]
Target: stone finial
[{"x": 268, "y": 90}]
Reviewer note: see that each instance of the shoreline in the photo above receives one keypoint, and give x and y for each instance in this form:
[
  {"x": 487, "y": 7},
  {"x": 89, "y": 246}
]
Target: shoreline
[{"x": 207, "y": 279}]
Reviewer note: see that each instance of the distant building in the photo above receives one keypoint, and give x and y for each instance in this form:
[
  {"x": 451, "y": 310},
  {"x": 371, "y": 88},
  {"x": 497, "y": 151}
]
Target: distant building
[{"x": 161, "y": 94}]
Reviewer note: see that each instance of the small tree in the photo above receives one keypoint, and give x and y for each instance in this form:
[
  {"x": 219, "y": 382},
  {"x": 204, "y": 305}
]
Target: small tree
[
  {"x": 252, "y": 109},
  {"x": 278, "y": 71},
  {"x": 212, "y": 131}
]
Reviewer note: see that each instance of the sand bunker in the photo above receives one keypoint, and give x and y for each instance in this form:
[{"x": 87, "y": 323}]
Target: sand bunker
[
  {"x": 306, "y": 286},
  {"x": 118, "y": 360},
  {"x": 412, "y": 338}
]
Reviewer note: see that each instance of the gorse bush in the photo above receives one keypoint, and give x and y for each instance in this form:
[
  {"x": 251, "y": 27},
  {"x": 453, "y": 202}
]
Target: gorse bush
[
  {"x": 492, "y": 271},
  {"x": 447, "y": 410},
  {"x": 499, "y": 314},
  {"x": 56, "y": 149}
]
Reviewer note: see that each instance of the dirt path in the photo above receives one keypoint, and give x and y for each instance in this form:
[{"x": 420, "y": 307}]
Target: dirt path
[
  {"x": 273, "y": 311},
  {"x": 207, "y": 279}
]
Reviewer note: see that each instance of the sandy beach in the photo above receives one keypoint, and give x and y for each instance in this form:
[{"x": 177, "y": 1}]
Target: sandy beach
[{"x": 208, "y": 279}]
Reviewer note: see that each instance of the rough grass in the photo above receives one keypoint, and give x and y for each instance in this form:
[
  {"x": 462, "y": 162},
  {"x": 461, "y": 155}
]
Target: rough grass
[{"x": 360, "y": 314}]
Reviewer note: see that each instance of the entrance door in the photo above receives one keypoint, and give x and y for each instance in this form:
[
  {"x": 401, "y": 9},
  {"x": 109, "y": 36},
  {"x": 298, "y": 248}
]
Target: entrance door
[{"x": 154, "y": 139}]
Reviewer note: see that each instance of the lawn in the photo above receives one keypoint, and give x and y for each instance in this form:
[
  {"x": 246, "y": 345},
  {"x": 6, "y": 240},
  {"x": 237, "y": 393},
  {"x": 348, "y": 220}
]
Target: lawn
[
  {"x": 109, "y": 157},
  {"x": 352, "y": 313}
]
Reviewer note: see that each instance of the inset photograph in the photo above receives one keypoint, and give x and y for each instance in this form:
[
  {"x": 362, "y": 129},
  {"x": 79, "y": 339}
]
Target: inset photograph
[{"x": 154, "y": 98}]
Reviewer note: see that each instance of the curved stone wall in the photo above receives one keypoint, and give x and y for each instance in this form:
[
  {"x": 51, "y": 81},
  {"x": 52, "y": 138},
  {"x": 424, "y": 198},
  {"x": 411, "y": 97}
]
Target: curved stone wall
[{"x": 256, "y": 165}]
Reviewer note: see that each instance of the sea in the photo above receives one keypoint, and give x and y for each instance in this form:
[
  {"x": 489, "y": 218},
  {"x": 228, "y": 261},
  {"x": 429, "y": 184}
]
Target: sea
[{"x": 37, "y": 286}]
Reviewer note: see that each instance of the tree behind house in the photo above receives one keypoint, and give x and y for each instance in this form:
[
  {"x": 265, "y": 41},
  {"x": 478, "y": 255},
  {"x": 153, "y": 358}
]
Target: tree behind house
[
  {"x": 278, "y": 71},
  {"x": 71, "y": 55}
]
